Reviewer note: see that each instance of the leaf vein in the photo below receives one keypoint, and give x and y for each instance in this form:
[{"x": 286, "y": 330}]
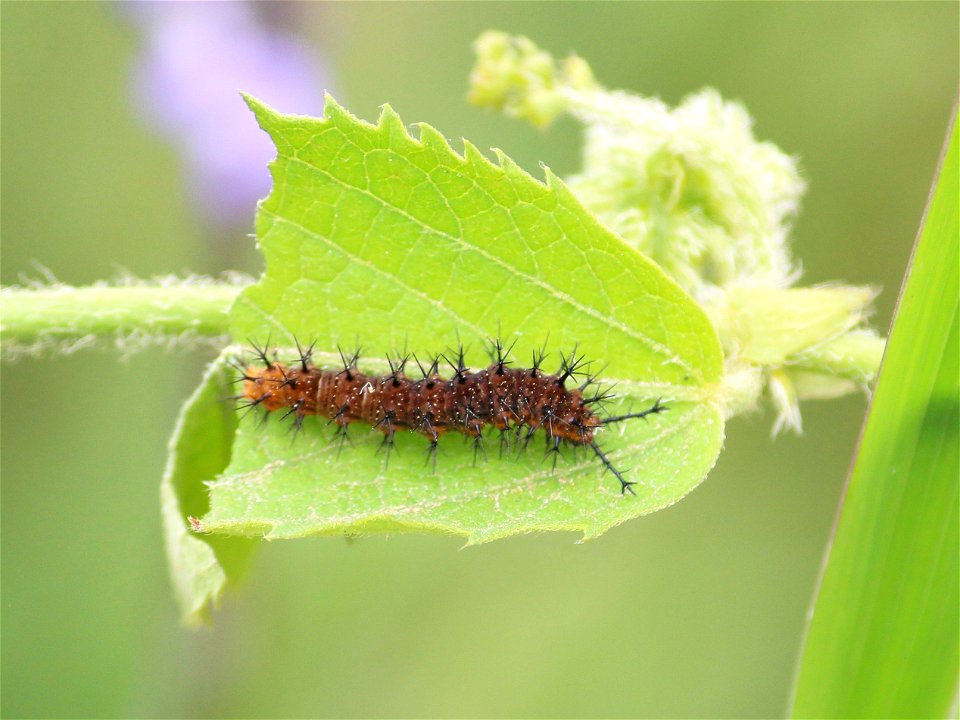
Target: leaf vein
[{"x": 552, "y": 290}]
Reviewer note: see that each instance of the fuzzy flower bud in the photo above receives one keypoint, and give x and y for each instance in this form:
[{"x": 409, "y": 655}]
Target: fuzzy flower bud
[
  {"x": 695, "y": 191},
  {"x": 515, "y": 76}
]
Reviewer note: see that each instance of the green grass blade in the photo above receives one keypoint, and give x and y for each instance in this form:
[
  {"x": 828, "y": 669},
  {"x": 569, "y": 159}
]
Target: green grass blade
[{"x": 882, "y": 641}]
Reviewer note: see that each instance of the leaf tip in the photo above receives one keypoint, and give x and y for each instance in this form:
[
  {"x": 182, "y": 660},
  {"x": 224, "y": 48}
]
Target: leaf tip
[
  {"x": 433, "y": 139},
  {"x": 391, "y": 124},
  {"x": 260, "y": 109},
  {"x": 332, "y": 110},
  {"x": 512, "y": 170},
  {"x": 551, "y": 180},
  {"x": 472, "y": 155},
  {"x": 509, "y": 167}
]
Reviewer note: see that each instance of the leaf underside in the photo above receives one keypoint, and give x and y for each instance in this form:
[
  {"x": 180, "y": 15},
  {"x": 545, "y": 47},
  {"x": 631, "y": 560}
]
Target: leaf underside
[
  {"x": 200, "y": 565},
  {"x": 376, "y": 239}
]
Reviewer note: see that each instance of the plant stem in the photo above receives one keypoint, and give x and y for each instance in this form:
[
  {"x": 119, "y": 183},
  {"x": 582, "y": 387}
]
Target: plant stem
[{"x": 164, "y": 308}]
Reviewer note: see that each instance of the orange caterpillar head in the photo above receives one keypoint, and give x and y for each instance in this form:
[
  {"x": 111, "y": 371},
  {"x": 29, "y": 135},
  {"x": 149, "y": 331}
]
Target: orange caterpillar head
[{"x": 268, "y": 387}]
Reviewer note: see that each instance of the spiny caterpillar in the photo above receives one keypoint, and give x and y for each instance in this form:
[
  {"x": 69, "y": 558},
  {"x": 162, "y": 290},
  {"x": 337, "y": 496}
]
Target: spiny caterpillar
[{"x": 516, "y": 401}]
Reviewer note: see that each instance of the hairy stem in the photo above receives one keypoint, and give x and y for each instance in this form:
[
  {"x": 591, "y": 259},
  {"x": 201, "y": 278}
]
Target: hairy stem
[{"x": 164, "y": 308}]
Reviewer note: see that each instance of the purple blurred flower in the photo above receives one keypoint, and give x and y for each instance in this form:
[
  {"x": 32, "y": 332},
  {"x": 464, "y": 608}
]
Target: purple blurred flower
[{"x": 195, "y": 58}]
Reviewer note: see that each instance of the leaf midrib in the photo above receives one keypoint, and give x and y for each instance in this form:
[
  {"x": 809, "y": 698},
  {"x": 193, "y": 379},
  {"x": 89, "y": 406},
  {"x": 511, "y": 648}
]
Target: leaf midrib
[{"x": 611, "y": 322}]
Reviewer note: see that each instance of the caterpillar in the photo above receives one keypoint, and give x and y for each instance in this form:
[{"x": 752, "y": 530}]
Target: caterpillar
[{"x": 517, "y": 401}]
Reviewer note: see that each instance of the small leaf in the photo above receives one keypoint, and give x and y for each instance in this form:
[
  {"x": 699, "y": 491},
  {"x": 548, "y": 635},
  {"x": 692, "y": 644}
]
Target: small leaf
[
  {"x": 374, "y": 238},
  {"x": 767, "y": 325},
  {"x": 855, "y": 356},
  {"x": 199, "y": 450}
]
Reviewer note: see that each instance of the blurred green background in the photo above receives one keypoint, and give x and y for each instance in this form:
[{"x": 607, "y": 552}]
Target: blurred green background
[{"x": 695, "y": 611}]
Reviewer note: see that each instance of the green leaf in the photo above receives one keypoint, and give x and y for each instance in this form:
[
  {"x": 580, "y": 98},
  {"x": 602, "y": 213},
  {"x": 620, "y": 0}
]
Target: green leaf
[
  {"x": 200, "y": 565},
  {"x": 883, "y": 638},
  {"x": 375, "y": 238}
]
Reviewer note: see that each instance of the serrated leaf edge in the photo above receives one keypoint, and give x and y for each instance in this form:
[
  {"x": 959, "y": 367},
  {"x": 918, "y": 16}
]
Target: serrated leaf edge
[{"x": 390, "y": 120}]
